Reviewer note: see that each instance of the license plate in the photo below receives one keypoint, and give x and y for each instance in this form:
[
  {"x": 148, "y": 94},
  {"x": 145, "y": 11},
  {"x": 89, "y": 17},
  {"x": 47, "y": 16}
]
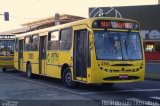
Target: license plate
[{"x": 123, "y": 76}]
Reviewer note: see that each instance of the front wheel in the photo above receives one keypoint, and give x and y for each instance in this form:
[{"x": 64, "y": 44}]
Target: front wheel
[
  {"x": 67, "y": 79},
  {"x": 4, "y": 69},
  {"x": 29, "y": 70}
]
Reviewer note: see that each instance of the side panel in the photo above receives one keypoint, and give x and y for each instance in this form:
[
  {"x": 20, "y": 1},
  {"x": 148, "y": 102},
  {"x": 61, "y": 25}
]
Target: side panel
[
  {"x": 33, "y": 58},
  {"x": 35, "y": 61},
  {"x": 53, "y": 67}
]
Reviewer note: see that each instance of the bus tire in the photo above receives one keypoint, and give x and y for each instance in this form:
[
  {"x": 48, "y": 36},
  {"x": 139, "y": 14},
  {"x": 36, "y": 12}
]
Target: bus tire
[
  {"x": 67, "y": 79},
  {"x": 29, "y": 70},
  {"x": 108, "y": 85},
  {"x": 3, "y": 69}
]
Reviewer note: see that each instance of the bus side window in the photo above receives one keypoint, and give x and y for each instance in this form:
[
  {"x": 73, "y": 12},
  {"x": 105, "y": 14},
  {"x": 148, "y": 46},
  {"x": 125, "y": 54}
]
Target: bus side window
[
  {"x": 27, "y": 45},
  {"x": 16, "y": 44},
  {"x": 66, "y": 39},
  {"x": 35, "y": 42},
  {"x": 53, "y": 40}
]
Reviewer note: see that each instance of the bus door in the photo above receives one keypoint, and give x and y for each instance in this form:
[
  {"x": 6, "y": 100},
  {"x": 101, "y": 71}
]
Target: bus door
[
  {"x": 20, "y": 55},
  {"x": 80, "y": 54},
  {"x": 42, "y": 55}
]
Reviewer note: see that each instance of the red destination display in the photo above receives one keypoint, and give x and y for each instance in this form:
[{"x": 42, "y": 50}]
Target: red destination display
[
  {"x": 115, "y": 25},
  {"x": 122, "y": 25}
]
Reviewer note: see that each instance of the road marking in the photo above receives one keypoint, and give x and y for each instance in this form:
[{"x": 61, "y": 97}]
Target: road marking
[
  {"x": 155, "y": 97},
  {"x": 84, "y": 93},
  {"x": 129, "y": 87},
  {"x": 121, "y": 91},
  {"x": 140, "y": 102},
  {"x": 130, "y": 102},
  {"x": 43, "y": 84},
  {"x": 115, "y": 103}
]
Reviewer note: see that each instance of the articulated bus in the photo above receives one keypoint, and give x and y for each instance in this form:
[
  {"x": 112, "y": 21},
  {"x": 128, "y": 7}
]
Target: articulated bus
[
  {"x": 92, "y": 51},
  {"x": 6, "y": 51}
]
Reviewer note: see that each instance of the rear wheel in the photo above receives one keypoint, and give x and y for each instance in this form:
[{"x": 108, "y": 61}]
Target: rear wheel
[
  {"x": 29, "y": 71},
  {"x": 67, "y": 79},
  {"x": 4, "y": 69}
]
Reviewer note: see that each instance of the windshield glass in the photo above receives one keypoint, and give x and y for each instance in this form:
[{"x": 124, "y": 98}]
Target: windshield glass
[
  {"x": 6, "y": 47},
  {"x": 117, "y": 45}
]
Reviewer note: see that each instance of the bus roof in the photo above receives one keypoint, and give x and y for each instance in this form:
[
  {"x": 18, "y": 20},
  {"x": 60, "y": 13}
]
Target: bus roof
[{"x": 83, "y": 21}]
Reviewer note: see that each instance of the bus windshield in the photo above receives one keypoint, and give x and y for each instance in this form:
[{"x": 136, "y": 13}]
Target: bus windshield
[
  {"x": 112, "y": 45},
  {"x": 6, "y": 47}
]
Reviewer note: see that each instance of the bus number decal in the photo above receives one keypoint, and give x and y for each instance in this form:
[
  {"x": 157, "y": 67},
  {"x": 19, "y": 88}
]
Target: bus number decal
[
  {"x": 104, "y": 63},
  {"x": 30, "y": 56},
  {"x": 54, "y": 57}
]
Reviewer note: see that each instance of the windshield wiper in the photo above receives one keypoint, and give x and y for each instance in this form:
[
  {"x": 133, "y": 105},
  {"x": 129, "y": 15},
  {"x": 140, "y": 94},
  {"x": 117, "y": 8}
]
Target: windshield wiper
[
  {"x": 115, "y": 47},
  {"x": 126, "y": 46}
]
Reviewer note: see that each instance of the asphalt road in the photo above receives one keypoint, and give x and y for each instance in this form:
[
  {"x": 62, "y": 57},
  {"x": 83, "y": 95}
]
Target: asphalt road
[{"x": 17, "y": 90}]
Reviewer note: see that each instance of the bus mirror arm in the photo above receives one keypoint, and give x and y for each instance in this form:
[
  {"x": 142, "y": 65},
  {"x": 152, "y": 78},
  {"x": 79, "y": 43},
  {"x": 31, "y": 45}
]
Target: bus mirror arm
[
  {"x": 90, "y": 30},
  {"x": 91, "y": 43}
]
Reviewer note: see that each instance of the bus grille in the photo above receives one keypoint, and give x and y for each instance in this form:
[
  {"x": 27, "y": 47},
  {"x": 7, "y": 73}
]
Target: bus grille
[
  {"x": 117, "y": 78},
  {"x": 120, "y": 70}
]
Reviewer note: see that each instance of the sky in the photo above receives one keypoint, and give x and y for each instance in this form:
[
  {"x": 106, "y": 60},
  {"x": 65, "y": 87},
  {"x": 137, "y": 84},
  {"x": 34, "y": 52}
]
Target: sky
[{"x": 22, "y": 11}]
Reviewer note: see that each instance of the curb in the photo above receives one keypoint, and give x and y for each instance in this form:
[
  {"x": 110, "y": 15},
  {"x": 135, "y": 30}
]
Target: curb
[{"x": 155, "y": 61}]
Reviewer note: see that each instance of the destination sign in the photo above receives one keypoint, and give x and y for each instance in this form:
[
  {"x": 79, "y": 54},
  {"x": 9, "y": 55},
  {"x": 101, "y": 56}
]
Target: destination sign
[
  {"x": 115, "y": 24},
  {"x": 7, "y": 36}
]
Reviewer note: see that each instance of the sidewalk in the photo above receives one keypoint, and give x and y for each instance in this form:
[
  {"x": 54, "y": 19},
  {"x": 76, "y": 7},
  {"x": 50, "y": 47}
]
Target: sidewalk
[{"x": 152, "y": 70}]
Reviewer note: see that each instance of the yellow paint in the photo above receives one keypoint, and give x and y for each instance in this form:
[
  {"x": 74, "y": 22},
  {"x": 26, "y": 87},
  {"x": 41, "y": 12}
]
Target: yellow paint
[
  {"x": 7, "y": 61},
  {"x": 42, "y": 67},
  {"x": 52, "y": 66},
  {"x": 33, "y": 58}
]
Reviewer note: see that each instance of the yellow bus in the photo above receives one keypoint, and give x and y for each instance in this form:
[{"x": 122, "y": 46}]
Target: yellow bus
[
  {"x": 6, "y": 51},
  {"x": 92, "y": 51}
]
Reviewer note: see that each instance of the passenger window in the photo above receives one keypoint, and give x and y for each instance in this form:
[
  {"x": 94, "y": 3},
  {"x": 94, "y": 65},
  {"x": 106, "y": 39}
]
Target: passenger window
[
  {"x": 27, "y": 45},
  {"x": 66, "y": 39},
  {"x": 35, "y": 43},
  {"x": 16, "y": 45},
  {"x": 53, "y": 40}
]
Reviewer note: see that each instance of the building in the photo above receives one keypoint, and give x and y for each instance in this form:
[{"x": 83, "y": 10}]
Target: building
[
  {"x": 149, "y": 18},
  {"x": 42, "y": 23}
]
